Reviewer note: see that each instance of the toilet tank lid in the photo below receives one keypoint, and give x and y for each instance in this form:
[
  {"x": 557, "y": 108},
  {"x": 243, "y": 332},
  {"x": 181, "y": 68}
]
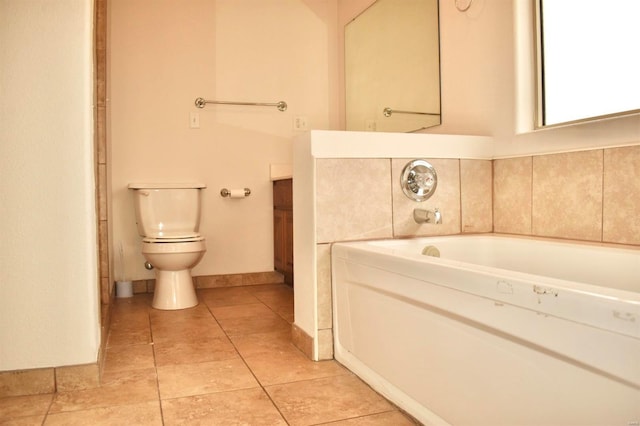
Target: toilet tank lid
[{"x": 184, "y": 185}]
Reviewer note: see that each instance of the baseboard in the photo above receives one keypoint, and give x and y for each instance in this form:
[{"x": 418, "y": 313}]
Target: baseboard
[
  {"x": 49, "y": 380},
  {"x": 218, "y": 281},
  {"x": 302, "y": 341}
]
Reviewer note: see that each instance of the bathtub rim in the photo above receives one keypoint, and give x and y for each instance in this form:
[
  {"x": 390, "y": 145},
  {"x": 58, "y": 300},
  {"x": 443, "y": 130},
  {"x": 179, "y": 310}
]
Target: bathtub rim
[{"x": 383, "y": 245}]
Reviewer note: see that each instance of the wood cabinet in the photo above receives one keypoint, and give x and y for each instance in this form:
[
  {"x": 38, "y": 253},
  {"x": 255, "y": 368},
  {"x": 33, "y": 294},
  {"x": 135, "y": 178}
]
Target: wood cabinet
[{"x": 283, "y": 228}]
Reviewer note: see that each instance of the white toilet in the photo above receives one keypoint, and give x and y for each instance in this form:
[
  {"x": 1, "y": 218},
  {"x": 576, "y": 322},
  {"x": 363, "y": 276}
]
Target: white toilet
[{"x": 168, "y": 219}]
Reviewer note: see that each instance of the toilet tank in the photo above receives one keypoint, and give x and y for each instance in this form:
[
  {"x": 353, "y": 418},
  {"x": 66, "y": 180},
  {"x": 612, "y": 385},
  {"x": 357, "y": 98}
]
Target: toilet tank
[{"x": 167, "y": 210}]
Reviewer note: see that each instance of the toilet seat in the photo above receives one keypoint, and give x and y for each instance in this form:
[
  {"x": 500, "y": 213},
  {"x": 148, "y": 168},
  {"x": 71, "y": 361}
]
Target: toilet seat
[
  {"x": 173, "y": 240},
  {"x": 170, "y": 247}
]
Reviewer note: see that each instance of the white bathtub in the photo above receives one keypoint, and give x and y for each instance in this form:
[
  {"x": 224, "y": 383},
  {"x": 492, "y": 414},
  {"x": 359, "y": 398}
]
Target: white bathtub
[{"x": 497, "y": 331}]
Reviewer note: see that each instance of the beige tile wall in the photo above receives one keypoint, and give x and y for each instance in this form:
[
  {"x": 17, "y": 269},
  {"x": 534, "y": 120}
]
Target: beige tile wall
[
  {"x": 587, "y": 195},
  {"x": 353, "y": 199},
  {"x": 621, "y": 195},
  {"x": 476, "y": 191},
  {"x": 512, "y": 195},
  {"x": 567, "y": 195},
  {"x": 446, "y": 198},
  {"x": 360, "y": 199}
]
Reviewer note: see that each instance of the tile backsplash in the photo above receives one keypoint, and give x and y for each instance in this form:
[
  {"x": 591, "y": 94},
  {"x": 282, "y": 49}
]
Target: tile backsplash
[
  {"x": 591, "y": 195},
  {"x": 587, "y": 195},
  {"x": 362, "y": 199},
  {"x": 621, "y": 195},
  {"x": 353, "y": 199}
]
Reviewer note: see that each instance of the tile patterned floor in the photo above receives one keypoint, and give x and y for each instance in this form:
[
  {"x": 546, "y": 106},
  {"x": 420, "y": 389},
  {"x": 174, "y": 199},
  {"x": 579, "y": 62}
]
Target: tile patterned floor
[{"x": 228, "y": 361}]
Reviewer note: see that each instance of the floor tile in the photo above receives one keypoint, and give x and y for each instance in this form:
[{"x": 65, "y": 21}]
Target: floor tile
[
  {"x": 139, "y": 304},
  {"x": 23, "y": 421},
  {"x": 240, "y": 311},
  {"x": 284, "y": 310},
  {"x": 273, "y": 294},
  {"x": 291, "y": 366},
  {"x": 263, "y": 344},
  {"x": 199, "y": 311},
  {"x": 170, "y": 352},
  {"x": 227, "y": 296},
  {"x": 181, "y": 380},
  {"x": 327, "y": 399},
  {"x": 23, "y": 406},
  {"x": 229, "y": 360},
  {"x": 117, "y": 388},
  {"x": 242, "y": 407},
  {"x": 249, "y": 325},
  {"x": 390, "y": 418},
  {"x": 129, "y": 334},
  {"x": 146, "y": 413},
  {"x": 128, "y": 357},
  {"x": 174, "y": 330}
]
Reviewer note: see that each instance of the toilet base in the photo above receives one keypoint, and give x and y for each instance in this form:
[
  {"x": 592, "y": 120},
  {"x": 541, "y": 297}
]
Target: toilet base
[{"x": 174, "y": 290}]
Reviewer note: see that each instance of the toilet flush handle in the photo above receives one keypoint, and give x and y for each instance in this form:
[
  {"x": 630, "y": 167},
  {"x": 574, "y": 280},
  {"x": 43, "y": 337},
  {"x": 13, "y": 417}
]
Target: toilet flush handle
[{"x": 148, "y": 265}]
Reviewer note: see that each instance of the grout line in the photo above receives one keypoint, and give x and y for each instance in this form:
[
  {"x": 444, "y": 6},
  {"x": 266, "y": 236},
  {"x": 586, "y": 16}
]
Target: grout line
[
  {"x": 393, "y": 225},
  {"x": 602, "y": 201},
  {"x": 155, "y": 364},
  {"x": 461, "y": 228},
  {"x": 531, "y": 199},
  {"x": 260, "y": 385},
  {"x": 47, "y": 412}
]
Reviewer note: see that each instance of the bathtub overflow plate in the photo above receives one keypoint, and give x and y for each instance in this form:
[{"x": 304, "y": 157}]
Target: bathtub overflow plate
[{"x": 419, "y": 180}]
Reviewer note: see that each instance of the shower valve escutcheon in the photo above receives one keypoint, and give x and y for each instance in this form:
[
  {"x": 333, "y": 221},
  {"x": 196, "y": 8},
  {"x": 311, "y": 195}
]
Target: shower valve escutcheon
[{"x": 427, "y": 216}]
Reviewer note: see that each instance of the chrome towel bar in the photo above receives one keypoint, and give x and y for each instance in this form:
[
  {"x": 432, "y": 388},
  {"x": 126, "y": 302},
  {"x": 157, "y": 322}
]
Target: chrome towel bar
[
  {"x": 282, "y": 105},
  {"x": 388, "y": 112}
]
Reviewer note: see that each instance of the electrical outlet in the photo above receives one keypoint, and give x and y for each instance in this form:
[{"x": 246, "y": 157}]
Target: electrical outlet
[
  {"x": 194, "y": 120},
  {"x": 300, "y": 122}
]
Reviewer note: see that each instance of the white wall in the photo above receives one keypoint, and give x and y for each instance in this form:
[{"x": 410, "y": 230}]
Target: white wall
[
  {"x": 49, "y": 312},
  {"x": 487, "y": 84},
  {"x": 166, "y": 53}
]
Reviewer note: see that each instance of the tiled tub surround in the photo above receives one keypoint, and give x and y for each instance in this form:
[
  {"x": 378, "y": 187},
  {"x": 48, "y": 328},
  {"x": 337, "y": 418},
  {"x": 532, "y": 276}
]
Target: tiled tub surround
[
  {"x": 591, "y": 195},
  {"x": 587, "y": 195},
  {"x": 362, "y": 199}
]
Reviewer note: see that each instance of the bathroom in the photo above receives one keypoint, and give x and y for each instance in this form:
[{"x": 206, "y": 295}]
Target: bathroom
[{"x": 167, "y": 57}]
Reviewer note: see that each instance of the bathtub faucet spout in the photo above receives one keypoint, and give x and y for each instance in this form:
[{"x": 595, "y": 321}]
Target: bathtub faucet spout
[{"x": 427, "y": 216}]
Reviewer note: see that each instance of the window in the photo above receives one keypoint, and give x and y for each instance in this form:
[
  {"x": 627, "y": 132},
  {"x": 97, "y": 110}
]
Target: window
[{"x": 588, "y": 60}]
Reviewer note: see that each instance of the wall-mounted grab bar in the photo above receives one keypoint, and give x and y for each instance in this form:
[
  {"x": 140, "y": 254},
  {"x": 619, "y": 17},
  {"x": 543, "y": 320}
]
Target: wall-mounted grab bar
[
  {"x": 388, "y": 112},
  {"x": 282, "y": 105}
]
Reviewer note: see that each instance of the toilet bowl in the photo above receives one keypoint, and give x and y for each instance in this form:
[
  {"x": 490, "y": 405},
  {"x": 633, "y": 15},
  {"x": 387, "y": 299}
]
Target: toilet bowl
[
  {"x": 168, "y": 219},
  {"x": 172, "y": 262}
]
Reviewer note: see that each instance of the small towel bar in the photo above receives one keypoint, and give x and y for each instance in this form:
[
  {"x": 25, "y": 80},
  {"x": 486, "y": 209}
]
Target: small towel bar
[
  {"x": 388, "y": 112},
  {"x": 282, "y": 105}
]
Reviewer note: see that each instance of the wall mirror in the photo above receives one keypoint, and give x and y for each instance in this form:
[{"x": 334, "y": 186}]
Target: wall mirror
[{"x": 392, "y": 67}]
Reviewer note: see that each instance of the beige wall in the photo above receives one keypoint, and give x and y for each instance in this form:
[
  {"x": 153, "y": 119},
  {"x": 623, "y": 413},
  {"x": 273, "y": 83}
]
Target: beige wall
[
  {"x": 49, "y": 304},
  {"x": 165, "y": 54},
  {"x": 488, "y": 85}
]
